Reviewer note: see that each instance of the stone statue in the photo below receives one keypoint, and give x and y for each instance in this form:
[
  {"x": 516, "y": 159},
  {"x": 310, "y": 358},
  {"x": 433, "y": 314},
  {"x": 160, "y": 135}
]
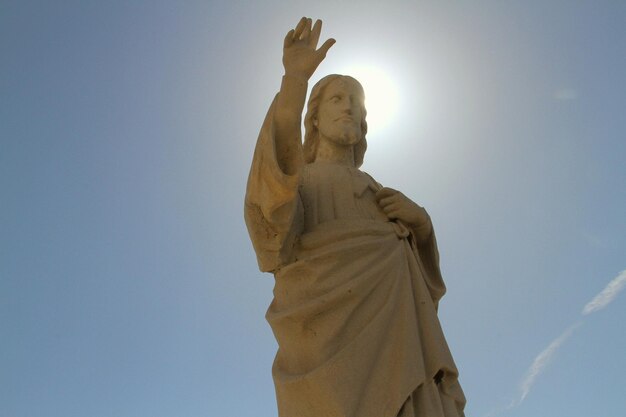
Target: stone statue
[{"x": 357, "y": 279}]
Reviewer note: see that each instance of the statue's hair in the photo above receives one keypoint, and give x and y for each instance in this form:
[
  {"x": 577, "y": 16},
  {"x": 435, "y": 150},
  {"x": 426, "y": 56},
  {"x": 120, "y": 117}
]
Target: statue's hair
[{"x": 311, "y": 135}]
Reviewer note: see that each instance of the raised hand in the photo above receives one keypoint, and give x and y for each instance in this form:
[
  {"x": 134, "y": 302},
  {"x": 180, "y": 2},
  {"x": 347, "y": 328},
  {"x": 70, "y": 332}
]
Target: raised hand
[
  {"x": 398, "y": 206},
  {"x": 300, "y": 54}
]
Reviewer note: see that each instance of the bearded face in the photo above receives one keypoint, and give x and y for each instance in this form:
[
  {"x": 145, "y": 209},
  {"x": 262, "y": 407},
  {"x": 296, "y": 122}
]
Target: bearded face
[{"x": 340, "y": 113}]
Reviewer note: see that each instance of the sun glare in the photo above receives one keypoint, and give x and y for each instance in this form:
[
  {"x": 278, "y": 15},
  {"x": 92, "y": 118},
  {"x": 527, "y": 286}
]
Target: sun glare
[{"x": 381, "y": 95}]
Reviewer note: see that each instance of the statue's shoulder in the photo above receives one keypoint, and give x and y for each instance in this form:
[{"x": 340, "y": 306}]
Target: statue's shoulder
[{"x": 373, "y": 184}]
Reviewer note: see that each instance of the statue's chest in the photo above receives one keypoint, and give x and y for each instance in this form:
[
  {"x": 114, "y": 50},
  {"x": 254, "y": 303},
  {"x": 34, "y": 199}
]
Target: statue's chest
[{"x": 331, "y": 192}]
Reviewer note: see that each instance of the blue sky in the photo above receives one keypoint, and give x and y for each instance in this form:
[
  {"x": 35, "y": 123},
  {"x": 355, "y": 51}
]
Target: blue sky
[{"x": 128, "y": 286}]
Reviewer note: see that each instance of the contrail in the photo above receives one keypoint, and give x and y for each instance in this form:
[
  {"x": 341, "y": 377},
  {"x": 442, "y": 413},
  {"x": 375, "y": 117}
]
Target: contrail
[
  {"x": 539, "y": 364},
  {"x": 541, "y": 361},
  {"x": 600, "y": 301},
  {"x": 607, "y": 295}
]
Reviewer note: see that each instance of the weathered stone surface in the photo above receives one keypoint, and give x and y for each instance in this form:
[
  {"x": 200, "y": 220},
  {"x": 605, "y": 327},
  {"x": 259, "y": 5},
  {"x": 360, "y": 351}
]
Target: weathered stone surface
[{"x": 356, "y": 264}]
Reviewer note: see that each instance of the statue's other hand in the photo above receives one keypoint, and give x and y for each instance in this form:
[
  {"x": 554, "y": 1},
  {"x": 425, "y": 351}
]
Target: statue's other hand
[
  {"x": 398, "y": 206},
  {"x": 300, "y": 56}
]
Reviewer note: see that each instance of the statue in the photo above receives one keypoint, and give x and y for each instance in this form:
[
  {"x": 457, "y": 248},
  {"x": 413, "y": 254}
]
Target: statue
[{"x": 357, "y": 279}]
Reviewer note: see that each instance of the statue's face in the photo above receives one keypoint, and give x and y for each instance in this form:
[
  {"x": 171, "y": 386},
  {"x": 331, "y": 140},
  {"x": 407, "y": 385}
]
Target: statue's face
[{"x": 340, "y": 112}]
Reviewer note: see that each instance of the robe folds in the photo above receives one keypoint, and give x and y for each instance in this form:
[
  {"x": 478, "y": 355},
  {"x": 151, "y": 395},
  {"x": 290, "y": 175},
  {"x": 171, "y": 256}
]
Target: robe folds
[{"x": 355, "y": 297}]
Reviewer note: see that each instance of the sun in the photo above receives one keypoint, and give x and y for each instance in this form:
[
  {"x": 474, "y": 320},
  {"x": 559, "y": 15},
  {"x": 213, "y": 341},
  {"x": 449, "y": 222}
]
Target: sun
[{"x": 381, "y": 95}]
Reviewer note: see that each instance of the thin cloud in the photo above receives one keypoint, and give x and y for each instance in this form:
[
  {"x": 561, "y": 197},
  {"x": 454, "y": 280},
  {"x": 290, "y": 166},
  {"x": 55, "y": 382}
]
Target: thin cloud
[
  {"x": 600, "y": 301},
  {"x": 541, "y": 362},
  {"x": 566, "y": 94},
  {"x": 593, "y": 240},
  {"x": 607, "y": 295}
]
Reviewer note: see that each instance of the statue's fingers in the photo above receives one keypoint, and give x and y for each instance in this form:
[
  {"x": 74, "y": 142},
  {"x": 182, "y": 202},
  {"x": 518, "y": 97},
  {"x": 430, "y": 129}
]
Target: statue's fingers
[
  {"x": 393, "y": 214},
  {"x": 288, "y": 39},
  {"x": 391, "y": 208},
  {"x": 306, "y": 32},
  {"x": 315, "y": 33},
  {"x": 385, "y": 191},
  {"x": 324, "y": 48},
  {"x": 298, "y": 31},
  {"x": 383, "y": 202}
]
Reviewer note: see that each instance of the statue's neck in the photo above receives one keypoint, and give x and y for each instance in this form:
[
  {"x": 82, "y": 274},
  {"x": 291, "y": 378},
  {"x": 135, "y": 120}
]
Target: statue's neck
[{"x": 328, "y": 151}]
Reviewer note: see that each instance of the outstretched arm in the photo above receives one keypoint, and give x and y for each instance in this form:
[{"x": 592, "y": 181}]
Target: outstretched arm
[{"x": 300, "y": 59}]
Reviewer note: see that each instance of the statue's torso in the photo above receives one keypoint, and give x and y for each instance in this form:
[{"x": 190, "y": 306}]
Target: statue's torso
[{"x": 336, "y": 192}]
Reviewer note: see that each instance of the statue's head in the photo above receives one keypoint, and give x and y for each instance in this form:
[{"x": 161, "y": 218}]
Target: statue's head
[{"x": 336, "y": 110}]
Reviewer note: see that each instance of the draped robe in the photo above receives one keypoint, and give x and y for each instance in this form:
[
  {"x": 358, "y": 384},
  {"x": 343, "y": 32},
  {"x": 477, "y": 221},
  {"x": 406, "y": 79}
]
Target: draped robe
[{"x": 355, "y": 298}]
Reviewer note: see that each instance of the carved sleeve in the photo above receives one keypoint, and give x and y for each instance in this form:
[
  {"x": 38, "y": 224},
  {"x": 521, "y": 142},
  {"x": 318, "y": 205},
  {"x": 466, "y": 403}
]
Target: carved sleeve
[{"x": 273, "y": 210}]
